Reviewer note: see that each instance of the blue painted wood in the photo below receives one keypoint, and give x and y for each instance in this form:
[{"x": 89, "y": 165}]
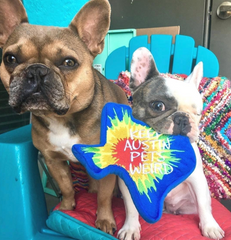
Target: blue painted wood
[
  {"x": 161, "y": 47},
  {"x": 23, "y": 211},
  {"x": 183, "y": 54},
  {"x": 21, "y": 192},
  {"x": 116, "y": 63},
  {"x": 52, "y": 13},
  {"x": 210, "y": 62},
  {"x": 113, "y": 40}
]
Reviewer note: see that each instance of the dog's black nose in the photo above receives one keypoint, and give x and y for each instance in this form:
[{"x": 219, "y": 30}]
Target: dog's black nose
[
  {"x": 36, "y": 75},
  {"x": 181, "y": 124}
]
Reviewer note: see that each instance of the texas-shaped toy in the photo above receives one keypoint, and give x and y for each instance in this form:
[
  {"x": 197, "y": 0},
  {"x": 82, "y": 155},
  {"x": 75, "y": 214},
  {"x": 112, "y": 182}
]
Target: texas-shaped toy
[{"x": 151, "y": 164}]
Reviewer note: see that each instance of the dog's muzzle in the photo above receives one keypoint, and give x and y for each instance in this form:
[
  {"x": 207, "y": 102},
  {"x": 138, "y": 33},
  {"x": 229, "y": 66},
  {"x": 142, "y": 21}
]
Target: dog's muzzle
[
  {"x": 38, "y": 88},
  {"x": 181, "y": 124},
  {"x": 36, "y": 76}
]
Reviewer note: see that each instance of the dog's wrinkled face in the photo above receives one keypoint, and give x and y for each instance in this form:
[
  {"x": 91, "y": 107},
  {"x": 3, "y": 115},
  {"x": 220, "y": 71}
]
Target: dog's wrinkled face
[
  {"x": 169, "y": 106},
  {"x": 42, "y": 77},
  {"x": 49, "y": 69}
]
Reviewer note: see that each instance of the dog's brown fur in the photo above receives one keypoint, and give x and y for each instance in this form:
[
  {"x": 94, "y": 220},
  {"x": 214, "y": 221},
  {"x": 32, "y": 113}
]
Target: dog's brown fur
[{"x": 74, "y": 96}]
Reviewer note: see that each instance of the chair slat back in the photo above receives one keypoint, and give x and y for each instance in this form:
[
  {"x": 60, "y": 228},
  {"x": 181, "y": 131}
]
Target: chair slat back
[{"x": 177, "y": 58}]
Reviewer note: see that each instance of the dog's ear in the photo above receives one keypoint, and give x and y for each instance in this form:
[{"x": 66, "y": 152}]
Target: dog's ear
[
  {"x": 12, "y": 13},
  {"x": 143, "y": 67},
  {"x": 196, "y": 76},
  {"x": 92, "y": 24}
]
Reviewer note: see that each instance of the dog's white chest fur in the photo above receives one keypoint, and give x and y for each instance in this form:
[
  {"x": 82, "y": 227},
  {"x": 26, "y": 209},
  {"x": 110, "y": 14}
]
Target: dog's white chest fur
[{"x": 61, "y": 139}]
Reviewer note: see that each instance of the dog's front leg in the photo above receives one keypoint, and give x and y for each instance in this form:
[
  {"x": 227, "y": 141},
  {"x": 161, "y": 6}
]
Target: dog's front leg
[
  {"x": 131, "y": 227},
  {"x": 199, "y": 187},
  {"x": 105, "y": 220},
  {"x": 60, "y": 171}
]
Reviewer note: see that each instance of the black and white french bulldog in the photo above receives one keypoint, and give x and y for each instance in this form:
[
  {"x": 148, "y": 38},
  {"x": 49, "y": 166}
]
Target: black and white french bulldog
[{"x": 171, "y": 107}]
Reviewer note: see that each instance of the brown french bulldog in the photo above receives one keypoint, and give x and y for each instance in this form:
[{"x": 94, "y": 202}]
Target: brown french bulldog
[{"x": 48, "y": 71}]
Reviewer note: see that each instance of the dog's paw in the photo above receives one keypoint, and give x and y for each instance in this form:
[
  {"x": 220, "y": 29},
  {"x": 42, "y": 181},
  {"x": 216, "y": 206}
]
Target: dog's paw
[
  {"x": 106, "y": 225},
  {"x": 67, "y": 205},
  {"x": 129, "y": 232},
  {"x": 212, "y": 230}
]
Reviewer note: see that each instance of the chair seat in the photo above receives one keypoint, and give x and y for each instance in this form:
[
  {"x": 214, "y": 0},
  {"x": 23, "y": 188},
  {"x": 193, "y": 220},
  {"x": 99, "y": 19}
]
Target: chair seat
[{"x": 81, "y": 222}]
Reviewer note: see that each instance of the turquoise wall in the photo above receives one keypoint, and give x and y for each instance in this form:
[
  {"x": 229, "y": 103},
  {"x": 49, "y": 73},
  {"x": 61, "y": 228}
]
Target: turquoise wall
[{"x": 52, "y": 12}]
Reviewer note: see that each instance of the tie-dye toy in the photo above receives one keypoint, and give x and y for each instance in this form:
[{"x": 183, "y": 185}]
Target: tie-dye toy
[{"x": 151, "y": 164}]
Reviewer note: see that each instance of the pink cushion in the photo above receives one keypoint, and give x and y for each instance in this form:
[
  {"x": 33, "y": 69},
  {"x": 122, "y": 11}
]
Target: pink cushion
[{"x": 170, "y": 227}]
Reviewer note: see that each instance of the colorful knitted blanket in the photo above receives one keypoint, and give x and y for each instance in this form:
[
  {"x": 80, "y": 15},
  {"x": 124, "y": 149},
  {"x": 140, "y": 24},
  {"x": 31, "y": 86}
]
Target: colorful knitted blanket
[
  {"x": 215, "y": 138},
  {"x": 79, "y": 176}
]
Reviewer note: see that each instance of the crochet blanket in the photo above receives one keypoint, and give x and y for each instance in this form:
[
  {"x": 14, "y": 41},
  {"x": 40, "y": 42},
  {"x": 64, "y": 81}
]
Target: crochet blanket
[{"x": 215, "y": 138}]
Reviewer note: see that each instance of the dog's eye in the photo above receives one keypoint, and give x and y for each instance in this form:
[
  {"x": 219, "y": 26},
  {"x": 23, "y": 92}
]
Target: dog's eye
[
  {"x": 10, "y": 59},
  {"x": 69, "y": 62},
  {"x": 157, "y": 106}
]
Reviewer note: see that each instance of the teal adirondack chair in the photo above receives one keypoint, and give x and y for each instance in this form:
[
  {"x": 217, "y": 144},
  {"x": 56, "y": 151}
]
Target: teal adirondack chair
[{"x": 179, "y": 57}]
